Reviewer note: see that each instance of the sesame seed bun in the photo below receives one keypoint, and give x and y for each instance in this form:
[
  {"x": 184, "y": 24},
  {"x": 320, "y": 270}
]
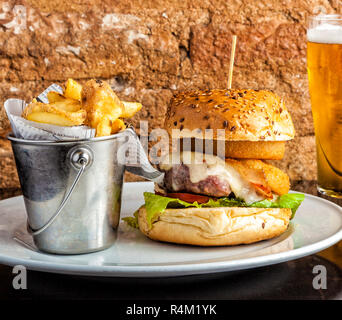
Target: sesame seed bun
[{"x": 245, "y": 115}]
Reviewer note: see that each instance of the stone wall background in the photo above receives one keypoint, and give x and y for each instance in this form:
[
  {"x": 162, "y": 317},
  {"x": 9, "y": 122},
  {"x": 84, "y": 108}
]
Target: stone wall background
[{"x": 148, "y": 49}]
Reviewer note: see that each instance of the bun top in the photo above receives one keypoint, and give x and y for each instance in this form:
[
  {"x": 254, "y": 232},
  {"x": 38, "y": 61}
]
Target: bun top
[{"x": 245, "y": 115}]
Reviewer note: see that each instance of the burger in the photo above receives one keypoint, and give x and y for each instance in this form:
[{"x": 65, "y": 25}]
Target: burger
[{"x": 231, "y": 197}]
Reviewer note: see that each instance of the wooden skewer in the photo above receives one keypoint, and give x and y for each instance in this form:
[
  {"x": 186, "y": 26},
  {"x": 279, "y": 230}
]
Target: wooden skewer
[{"x": 231, "y": 64}]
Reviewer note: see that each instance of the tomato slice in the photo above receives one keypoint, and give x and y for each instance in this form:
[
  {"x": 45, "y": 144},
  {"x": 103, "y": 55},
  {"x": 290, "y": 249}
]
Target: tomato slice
[{"x": 189, "y": 197}]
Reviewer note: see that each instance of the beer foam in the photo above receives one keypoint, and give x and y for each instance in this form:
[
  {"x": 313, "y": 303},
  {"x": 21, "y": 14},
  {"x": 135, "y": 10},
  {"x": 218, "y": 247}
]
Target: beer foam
[{"x": 325, "y": 33}]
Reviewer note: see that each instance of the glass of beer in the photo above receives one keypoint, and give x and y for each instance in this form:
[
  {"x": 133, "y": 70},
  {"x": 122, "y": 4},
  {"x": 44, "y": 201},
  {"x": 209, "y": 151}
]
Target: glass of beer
[{"x": 324, "y": 61}]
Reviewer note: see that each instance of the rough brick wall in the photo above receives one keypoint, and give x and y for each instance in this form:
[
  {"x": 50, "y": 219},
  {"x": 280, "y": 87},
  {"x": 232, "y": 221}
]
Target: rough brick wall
[{"x": 148, "y": 49}]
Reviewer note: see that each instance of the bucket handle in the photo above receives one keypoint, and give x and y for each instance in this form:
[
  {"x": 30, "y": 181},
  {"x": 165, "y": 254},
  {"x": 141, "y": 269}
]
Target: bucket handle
[{"x": 80, "y": 158}]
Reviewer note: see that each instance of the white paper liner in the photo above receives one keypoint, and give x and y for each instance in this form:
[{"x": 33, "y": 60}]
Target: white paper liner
[{"x": 30, "y": 130}]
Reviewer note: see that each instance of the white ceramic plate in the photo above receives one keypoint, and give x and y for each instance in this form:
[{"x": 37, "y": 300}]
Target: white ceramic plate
[{"x": 316, "y": 226}]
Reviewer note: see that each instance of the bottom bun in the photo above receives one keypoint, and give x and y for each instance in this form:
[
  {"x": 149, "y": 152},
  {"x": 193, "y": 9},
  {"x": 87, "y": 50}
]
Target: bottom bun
[{"x": 216, "y": 226}]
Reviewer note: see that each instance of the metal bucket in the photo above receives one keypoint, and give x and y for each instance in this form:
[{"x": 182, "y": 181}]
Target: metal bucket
[{"x": 72, "y": 191}]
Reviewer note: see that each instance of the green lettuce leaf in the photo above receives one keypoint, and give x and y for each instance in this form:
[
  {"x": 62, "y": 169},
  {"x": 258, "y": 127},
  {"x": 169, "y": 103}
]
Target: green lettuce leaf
[
  {"x": 290, "y": 200},
  {"x": 156, "y": 204},
  {"x": 132, "y": 221}
]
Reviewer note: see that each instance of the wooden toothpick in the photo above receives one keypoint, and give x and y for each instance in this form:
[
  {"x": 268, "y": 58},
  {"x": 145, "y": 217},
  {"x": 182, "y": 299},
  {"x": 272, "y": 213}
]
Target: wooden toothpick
[{"x": 231, "y": 64}]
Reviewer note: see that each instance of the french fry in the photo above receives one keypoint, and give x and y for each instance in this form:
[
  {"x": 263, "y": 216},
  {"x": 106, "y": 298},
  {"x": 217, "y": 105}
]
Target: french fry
[
  {"x": 72, "y": 118},
  {"x": 34, "y": 106},
  {"x": 104, "y": 128},
  {"x": 50, "y": 118},
  {"x": 130, "y": 109},
  {"x": 118, "y": 125},
  {"x": 102, "y": 104},
  {"x": 73, "y": 90},
  {"x": 54, "y": 96},
  {"x": 68, "y": 105}
]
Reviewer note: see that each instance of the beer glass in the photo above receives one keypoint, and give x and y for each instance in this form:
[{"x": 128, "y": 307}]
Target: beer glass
[{"x": 324, "y": 62}]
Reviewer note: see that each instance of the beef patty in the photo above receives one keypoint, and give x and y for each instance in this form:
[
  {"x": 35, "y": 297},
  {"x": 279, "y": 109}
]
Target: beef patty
[{"x": 177, "y": 179}]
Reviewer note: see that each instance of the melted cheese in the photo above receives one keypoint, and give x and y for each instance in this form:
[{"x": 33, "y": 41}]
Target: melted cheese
[{"x": 201, "y": 166}]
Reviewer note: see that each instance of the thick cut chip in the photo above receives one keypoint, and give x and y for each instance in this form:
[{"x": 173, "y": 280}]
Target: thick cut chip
[
  {"x": 42, "y": 110},
  {"x": 118, "y": 125},
  {"x": 54, "y": 96},
  {"x": 68, "y": 105},
  {"x": 104, "y": 127},
  {"x": 73, "y": 90},
  {"x": 130, "y": 109},
  {"x": 102, "y": 105},
  {"x": 50, "y": 118}
]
